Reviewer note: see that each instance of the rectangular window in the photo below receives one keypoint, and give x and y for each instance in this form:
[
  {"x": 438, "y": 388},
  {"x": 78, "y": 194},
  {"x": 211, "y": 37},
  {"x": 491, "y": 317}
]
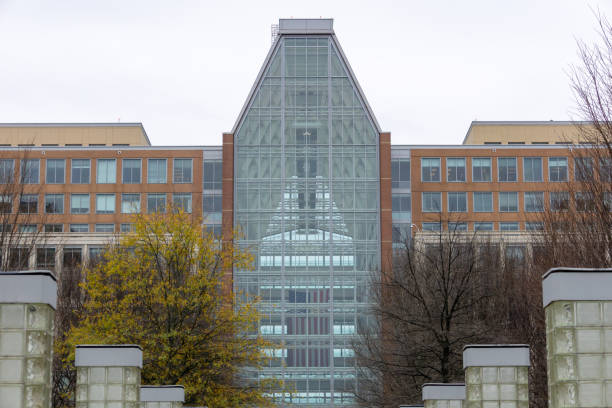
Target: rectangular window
[
  {"x": 80, "y": 169},
  {"x": 481, "y": 169},
  {"x": 457, "y": 202},
  {"x": 156, "y": 202},
  {"x": 557, "y": 168},
  {"x": 54, "y": 203},
  {"x": 156, "y": 171},
  {"x": 483, "y": 201},
  {"x": 79, "y": 203},
  {"x": 400, "y": 173},
  {"x": 7, "y": 171},
  {"x": 432, "y": 202},
  {"x": 455, "y": 169},
  {"x": 508, "y": 201},
  {"x": 212, "y": 174},
  {"x": 105, "y": 228},
  {"x": 182, "y": 201},
  {"x": 127, "y": 227},
  {"x": 508, "y": 226},
  {"x": 28, "y": 203},
  {"x": 430, "y": 169},
  {"x": 400, "y": 207},
  {"x": 106, "y": 171},
  {"x": 27, "y": 228},
  {"x": 534, "y": 201},
  {"x": 79, "y": 228},
  {"x": 130, "y": 203},
  {"x": 605, "y": 169},
  {"x": 457, "y": 226},
  {"x": 45, "y": 257},
  {"x": 483, "y": 226},
  {"x": 56, "y": 170},
  {"x": 73, "y": 256},
  {"x": 6, "y": 204},
  {"x": 432, "y": 226},
  {"x": 105, "y": 203},
  {"x": 131, "y": 171},
  {"x": 54, "y": 228},
  {"x": 532, "y": 169},
  {"x": 182, "y": 171},
  {"x": 30, "y": 171},
  {"x": 584, "y": 201},
  {"x": 583, "y": 168},
  {"x": 607, "y": 200},
  {"x": 534, "y": 226},
  {"x": 506, "y": 168},
  {"x": 559, "y": 200}
]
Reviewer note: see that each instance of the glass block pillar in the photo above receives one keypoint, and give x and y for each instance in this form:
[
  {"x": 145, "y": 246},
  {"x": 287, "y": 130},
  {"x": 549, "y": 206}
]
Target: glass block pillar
[
  {"x": 162, "y": 396},
  {"x": 108, "y": 376},
  {"x": 496, "y": 375},
  {"x": 443, "y": 395},
  {"x": 27, "y": 308},
  {"x": 578, "y": 306}
]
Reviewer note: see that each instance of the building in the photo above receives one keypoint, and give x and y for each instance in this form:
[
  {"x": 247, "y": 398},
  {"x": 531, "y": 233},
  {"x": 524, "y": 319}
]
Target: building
[{"x": 310, "y": 179}]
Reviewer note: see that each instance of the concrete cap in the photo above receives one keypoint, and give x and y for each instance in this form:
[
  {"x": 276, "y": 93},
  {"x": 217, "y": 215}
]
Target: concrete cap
[
  {"x": 38, "y": 286},
  {"x": 576, "y": 284},
  {"x": 412, "y": 406},
  {"x": 443, "y": 391},
  {"x": 111, "y": 355},
  {"x": 496, "y": 355},
  {"x": 162, "y": 393},
  {"x": 306, "y": 26}
]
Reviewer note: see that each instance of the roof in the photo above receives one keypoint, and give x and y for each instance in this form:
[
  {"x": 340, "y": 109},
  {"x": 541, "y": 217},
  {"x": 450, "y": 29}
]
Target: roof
[{"x": 476, "y": 123}]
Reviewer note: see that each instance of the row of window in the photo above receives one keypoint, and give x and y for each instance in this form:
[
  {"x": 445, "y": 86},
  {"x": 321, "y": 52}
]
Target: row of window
[
  {"x": 99, "y": 227},
  {"x": 506, "y": 169},
  {"x": 508, "y": 201},
  {"x": 106, "y": 171},
  {"x": 482, "y": 226}
]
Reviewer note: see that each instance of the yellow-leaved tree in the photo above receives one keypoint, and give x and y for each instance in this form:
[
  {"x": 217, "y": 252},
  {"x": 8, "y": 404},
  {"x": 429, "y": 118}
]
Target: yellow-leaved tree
[{"x": 165, "y": 287}]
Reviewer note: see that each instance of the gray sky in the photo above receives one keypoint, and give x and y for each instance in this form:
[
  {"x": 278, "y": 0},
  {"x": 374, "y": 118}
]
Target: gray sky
[{"x": 184, "y": 68}]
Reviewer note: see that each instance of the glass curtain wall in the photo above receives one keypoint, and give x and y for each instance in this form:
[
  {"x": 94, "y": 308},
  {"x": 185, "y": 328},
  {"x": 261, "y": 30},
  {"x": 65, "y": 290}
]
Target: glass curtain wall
[{"x": 307, "y": 188}]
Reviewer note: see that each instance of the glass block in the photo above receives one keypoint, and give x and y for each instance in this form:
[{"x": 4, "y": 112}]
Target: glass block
[
  {"x": 97, "y": 375},
  {"x": 472, "y": 375},
  {"x": 82, "y": 375},
  {"x": 39, "y": 317},
  {"x": 12, "y": 316},
  {"x": 473, "y": 392},
  {"x": 508, "y": 404},
  {"x": 11, "y": 343},
  {"x": 97, "y": 405},
  {"x": 114, "y": 392},
  {"x": 82, "y": 405},
  {"x": 35, "y": 396},
  {"x": 152, "y": 404},
  {"x": 169, "y": 404},
  {"x": 490, "y": 404},
  {"x": 508, "y": 392},
  {"x": 607, "y": 313},
  {"x": 114, "y": 375},
  {"x": 522, "y": 375},
  {"x": 608, "y": 392},
  {"x": 588, "y": 340},
  {"x": 132, "y": 375},
  {"x": 38, "y": 343},
  {"x": 11, "y": 395},
  {"x": 607, "y": 340},
  {"x": 490, "y": 392},
  {"x": 590, "y": 394},
  {"x": 590, "y": 366},
  {"x": 473, "y": 404},
  {"x": 564, "y": 341},
  {"x": 132, "y": 404},
  {"x": 587, "y": 313},
  {"x": 11, "y": 370},
  {"x": 96, "y": 392},
  {"x": 565, "y": 367},
  {"x": 522, "y": 392},
  {"x": 36, "y": 370},
  {"x": 132, "y": 392},
  {"x": 117, "y": 404},
  {"x": 563, "y": 313},
  {"x": 565, "y": 395},
  {"x": 523, "y": 404},
  {"x": 441, "y": 404},
  {"x": 507, "y": 375},
  {"x": 489, "y": 375},
  {"x": 81, "y": 392}
]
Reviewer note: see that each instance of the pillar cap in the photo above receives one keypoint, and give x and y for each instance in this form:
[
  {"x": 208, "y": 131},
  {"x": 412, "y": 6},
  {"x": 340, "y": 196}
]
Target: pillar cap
[
  {"x": 162, "y": 393},
  {"x": 496, "y": 355},
  {"x": 108, "y": 355},
  {"x": 443, "y": 391},
  {"x": 36, "y": 286},
  {"x": 576, "y": 284}
]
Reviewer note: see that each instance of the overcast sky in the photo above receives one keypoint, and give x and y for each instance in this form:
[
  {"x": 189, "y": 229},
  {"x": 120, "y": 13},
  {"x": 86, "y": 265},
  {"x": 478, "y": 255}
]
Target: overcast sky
[{"x": 184, "y": 68}]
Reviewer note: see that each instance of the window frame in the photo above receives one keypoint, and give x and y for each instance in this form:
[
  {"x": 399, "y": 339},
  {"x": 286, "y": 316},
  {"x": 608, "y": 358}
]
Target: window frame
[
  {"x": 431, "y": 193},
  {"x": 47, "y": 162},
  {"x": 423, "y": 170},
  {"x": 448, "y": 201},
  {"x": 165, "y": 196},
  {"x": 106, "y": 196},
  {"x": 73, "y": 195},
  {"x": 543, "y": 208},
  {"x": 176, "y": 196},
  {"x": 98, "y": 172},
  {"x": 490, "y": 176},
  {"x": 550, "y": 173},
  {"x": 123, "y": 170},
  {"x": 479, "y": 193},
  {"x": 165, "y": 167},
  {"x": 63, "y": 198},
  {"x": 499, "y": 172},
  {"x": 28, "y": 204},
  {"x": 72, "y": 168},
  {"x": 541, "y": 169},
  {"x": 506, "y": 193},
  {"x": 448, "y": 167},
  {"x": 123, "y": 196},
  {"x": 22, "y": 173},
  {"x": 174, "y": 170}
]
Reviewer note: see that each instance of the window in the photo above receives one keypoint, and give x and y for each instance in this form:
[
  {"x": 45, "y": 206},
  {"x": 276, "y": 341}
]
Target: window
[
  {"x": 400, "y": 173},
  {"x": 130, "y": 203},
  {"x": 131, "y": 171},
  {"x": 80, "y": 169},
  {"x": 55, "y": 171},
  {"x": 96, "y": 253},
  {"x": 400, "y": 207},
  {"x": 105, "y": 228},
  {"x": 584, "y": 201},
  {"x": 156, "y": 202},
  {"x": 432, "y": 202},
  {"x": 54, "y": 203},
  {"x": 79, "y": 228},
  {"x": 45, "y": 257},
  {"x": 455, "y": 169},
  {"x": 534, "y": 226},
  {"x": 182, "y": 171},
  {"x": 483, "y": 201},
  {"x": 30, "y": 171},
  {"x": 559, "y": 200},
  {"x": 583, "y": 168},
  {"x": 481, "y": 169},
  {"x": 156, "y": 171},
  {"x": 508, "y": 201},
  {"x": 557, "y": 168},
  {"x": 607, "y": 200},
  {"x": 212, "y": 174},
  {"x": 430, "y": 169},
  {"x": 18, "y": 258},
  {"x": 79, "y": 204},
  {"x": 27, "y": 228},
  {"x": 106, "y": 172},
  {"x": 515, "y": 254},
  {"x": 28, "y": 203},
  {"x": 534, "y": 201},
  {"x": 105, "y": 203},
  {"x": 506, "y": 167},
  {"x": 6, "y": 204},
  {"x": 182, "y": 201},
  {"x": 53, "y": 228},
  {"x": 605, "y": 169},
  {"x": 127, "y": 227},
  {"x": 72, "y": 256},
  {"x": 400, "y": 233},
  {"x": 532, "y": 169},
  {"x": 508, "y": 226},
  {"x": 457, "y": 202},
  {"x": 214, "y": 229},
  {"x": 7, "y": 170},
  {"x": 457, "y": 226},
  {"x": 432, "y": 226},
  {"x": 483, "y": 226}
]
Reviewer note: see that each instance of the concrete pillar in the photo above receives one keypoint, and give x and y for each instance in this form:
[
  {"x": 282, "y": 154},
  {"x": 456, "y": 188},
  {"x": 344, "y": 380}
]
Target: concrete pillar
[
  {"x": 443, "y": 395},
  {"x": 108, "y": 376},
  {"x": 496, "y": 375},
  {"x": 27, "y": 309},
  {"x": 162, "y": 396},
  {"x": 578, "y": 307}
]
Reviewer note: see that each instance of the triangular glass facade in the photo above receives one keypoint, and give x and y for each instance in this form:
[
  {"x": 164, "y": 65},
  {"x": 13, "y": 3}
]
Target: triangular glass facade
[{"x": 306, "y": 188}]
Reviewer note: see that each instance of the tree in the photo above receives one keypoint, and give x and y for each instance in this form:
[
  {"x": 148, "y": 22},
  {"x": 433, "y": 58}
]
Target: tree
[{"x": 161, "y": 287}]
